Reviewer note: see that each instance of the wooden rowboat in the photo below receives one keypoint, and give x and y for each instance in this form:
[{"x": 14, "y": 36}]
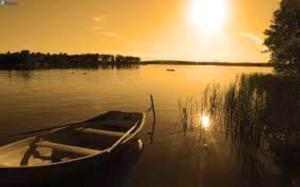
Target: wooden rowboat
[{"x": 65, "y": 150}]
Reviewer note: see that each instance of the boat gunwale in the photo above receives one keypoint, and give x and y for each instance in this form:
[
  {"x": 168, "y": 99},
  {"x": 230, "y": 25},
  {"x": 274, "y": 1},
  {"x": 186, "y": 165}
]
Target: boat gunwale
[{"x": 140, "y": 123}]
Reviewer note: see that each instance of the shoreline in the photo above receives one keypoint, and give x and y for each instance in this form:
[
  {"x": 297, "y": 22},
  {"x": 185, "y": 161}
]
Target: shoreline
[
  {"x": 246, "y": 64},
  {"x": 144, "y": 63}
]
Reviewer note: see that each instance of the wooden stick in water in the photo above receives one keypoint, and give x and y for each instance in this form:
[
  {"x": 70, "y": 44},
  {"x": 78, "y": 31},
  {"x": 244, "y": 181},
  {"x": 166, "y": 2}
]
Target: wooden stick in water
[{"x": 154, "y": 118}]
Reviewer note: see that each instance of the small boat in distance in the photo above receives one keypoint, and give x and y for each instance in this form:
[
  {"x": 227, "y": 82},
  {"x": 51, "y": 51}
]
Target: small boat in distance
[
  {"x": 170, "y": 70},
  {"x": 69, "y": 148}
]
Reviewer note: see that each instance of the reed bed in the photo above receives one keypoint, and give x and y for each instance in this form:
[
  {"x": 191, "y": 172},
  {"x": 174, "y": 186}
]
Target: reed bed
[{"x": 258, "y": 114}]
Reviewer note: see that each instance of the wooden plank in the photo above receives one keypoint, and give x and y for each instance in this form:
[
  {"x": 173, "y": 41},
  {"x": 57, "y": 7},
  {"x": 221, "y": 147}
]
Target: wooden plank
[
  {"x": 101, "y": 132},
  {"x": 69, "y": 148}
]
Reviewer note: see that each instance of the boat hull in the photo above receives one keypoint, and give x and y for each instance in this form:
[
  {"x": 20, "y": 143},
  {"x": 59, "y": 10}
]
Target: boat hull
[
  {"x": 52, "y": 173},
  {"x": 56, "y": 173}
]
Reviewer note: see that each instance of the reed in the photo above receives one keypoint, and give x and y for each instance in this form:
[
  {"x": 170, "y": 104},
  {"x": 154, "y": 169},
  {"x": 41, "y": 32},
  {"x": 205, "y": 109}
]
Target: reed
[{"x": 259, "y": 115}]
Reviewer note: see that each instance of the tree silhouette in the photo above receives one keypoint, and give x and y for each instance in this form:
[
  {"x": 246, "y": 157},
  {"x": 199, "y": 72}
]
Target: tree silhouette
[
  {"x": 26, "y": 60},
  {"x": 283, "y": 37}
]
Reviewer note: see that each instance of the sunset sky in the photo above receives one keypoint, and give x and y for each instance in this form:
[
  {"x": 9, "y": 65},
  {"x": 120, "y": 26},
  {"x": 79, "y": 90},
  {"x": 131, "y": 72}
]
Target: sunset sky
[{"x": 196, "y": 30}]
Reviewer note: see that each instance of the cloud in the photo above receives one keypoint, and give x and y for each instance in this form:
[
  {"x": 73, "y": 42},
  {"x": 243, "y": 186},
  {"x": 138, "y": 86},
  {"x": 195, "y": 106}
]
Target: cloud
[
  {"x": 97, "y": 28},
  {"x": 105, "y": 32},
  {"x": 116, "y": 36},
  {"x": 99, "y": 18},
  {"x": 108, "y": 33},
  {"x": 253, "y": 38}
]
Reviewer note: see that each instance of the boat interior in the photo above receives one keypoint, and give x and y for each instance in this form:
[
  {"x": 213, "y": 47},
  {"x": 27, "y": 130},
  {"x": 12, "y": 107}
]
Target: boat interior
[{"x": 96, "y": 136}]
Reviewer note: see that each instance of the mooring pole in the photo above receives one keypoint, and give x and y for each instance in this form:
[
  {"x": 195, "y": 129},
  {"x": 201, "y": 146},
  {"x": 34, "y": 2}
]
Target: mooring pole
[
  {"x": 153, "y": 108},
  {"x": 154, "y": 118}
]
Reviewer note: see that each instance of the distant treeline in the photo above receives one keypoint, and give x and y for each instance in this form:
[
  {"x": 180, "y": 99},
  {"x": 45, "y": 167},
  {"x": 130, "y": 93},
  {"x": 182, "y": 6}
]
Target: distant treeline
[
  {"x": 26, "y": 60},
  {"x": 173, "y": 62}
]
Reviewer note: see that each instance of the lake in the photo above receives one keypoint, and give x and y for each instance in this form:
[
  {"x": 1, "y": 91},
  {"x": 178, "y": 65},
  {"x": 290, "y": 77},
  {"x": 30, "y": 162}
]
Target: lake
[{"x": 37, "y": 99}]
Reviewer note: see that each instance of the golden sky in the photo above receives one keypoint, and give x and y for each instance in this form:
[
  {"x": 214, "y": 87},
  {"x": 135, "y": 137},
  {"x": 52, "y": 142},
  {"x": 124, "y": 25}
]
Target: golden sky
[{"x": 198, "y": 30}]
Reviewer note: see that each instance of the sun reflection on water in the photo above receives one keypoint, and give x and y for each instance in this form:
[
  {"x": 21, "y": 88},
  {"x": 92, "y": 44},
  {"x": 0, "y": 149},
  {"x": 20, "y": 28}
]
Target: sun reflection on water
[{"x": 204, "y": 120}]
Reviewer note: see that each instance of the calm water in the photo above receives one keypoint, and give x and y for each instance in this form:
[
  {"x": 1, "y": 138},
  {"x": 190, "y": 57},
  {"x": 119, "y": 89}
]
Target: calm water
[{"x": 38, "y": 99}]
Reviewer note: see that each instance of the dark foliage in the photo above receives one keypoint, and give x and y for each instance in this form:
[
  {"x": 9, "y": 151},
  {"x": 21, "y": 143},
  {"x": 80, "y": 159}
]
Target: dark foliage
[
  {"x": 283, "y": 37},
  {"x": 25, "y": 60}
]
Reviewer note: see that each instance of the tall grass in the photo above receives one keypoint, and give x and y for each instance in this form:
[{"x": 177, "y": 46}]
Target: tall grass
[{"x": 259, "y": 115}]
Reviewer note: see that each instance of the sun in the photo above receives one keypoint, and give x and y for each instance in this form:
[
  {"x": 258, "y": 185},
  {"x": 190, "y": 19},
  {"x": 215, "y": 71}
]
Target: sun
[{"x": 208, "y": 15}]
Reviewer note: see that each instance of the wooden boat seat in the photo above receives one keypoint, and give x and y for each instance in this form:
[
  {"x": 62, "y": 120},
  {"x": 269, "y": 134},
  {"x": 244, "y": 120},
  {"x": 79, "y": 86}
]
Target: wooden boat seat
[
  {"x": 101, "y": 132},
  {"x": 69, "y": 148}
]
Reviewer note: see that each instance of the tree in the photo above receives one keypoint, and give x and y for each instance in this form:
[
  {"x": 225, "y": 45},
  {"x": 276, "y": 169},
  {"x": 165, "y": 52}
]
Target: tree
[{"x": 283, "y": 37}]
